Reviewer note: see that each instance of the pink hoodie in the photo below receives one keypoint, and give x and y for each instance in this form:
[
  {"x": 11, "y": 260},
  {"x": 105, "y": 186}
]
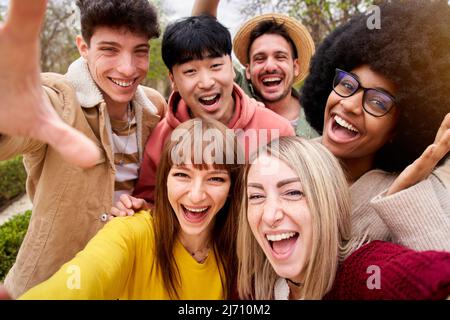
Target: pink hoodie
[{"x": 248, "y": 115}]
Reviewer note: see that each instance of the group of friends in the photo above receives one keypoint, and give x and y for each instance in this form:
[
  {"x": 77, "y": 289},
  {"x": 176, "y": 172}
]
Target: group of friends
[{"x": 348, "y": 174}]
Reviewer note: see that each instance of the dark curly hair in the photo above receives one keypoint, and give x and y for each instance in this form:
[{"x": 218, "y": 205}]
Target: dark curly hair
[
  {"x": 412, "y": 49},
  {"x": 138, "y": 16}
]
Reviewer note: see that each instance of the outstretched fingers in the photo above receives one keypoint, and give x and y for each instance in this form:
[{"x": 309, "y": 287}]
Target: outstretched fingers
[
  {"x": 24, "y": 109},
  {"x": 25, "y": 18},
  {"x": 443, "y": 129},
  {"x": 424, "y": 165},
  {"x": 73, "y": 146},
  {"x": 442, "y": 141}
]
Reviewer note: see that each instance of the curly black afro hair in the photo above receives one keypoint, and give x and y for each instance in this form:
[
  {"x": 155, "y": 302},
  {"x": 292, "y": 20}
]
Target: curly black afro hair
[{"x": 412, "y": 49}]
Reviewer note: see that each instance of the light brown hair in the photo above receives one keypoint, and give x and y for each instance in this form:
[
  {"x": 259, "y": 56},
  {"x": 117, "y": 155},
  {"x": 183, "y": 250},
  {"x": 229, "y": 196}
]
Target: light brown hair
[{"x": 166, "y": 224}]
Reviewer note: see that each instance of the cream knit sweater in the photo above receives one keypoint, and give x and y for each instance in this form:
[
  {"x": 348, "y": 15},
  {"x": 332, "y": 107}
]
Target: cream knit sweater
[
  {"x": 417, "y": 217},
  {"x": 443, "y": 173}
]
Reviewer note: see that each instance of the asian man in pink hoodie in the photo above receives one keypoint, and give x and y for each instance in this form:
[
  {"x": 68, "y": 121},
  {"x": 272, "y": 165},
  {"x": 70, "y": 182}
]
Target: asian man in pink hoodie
[{"x": 197, "y": 52}]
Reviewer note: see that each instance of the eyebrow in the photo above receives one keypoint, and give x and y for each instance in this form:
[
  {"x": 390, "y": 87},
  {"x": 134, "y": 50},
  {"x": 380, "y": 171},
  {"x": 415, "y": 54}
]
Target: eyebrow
[
  {"x": 183, "y": 167},
  {"x": 147, "y": 46},
  {"x": 287, "y": 181},
  {"x": 116, "y": 44},
  {"x": 110, "y": 43},
  {"x": 378, "y": 88},
  {"x": 218, "y": 172},
  {"x": 279, "y": 183},
  {"x": 264, "y": 54},
  {"x": 355, "y": 75},
  {"x": 385, "y": 91},
  {"x": 282, "y": 52},
  {"x": 255, "y": 185}
]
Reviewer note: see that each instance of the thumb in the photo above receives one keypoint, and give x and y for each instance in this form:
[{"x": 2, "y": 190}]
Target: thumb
[
  {"x": 25, "y": 18},
  {"x": 73, "y": 146},
  {"x": 4, "y": 295}
]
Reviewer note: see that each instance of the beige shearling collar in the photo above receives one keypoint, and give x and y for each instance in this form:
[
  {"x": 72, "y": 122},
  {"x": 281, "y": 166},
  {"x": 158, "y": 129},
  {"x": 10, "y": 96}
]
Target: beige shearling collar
[{"x": 89, "y": 95}]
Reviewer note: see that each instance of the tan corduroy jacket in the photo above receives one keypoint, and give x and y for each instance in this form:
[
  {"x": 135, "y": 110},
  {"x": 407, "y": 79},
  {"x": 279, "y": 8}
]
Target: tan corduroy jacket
[{"x": 69, "y": 203}]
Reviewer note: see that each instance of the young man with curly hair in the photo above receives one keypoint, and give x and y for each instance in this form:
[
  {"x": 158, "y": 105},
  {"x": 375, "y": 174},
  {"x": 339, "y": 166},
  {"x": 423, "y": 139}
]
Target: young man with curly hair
[{"x": 100, "y": 96}]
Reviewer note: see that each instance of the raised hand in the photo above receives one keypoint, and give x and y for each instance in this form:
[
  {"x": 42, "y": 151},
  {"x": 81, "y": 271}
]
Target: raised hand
[
  {"x": 424, "y": 165},
  {"x": 24, "y": 109},
  {"x": 205, "y": 7}
]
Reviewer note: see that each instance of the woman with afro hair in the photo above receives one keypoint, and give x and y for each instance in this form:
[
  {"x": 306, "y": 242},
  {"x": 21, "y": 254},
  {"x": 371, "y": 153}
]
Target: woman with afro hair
[{"x": 381, "y": 99}]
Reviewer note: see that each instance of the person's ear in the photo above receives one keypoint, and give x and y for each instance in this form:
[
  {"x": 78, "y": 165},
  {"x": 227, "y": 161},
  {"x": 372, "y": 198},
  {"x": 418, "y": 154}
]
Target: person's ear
[
  {"x": 83, "y": 47},
  {"x": 296, "y": 68},
  {"x": 247, "y": 71},
  {"x": 232, "y": 68},
  {"x": 173, "y": 85}
]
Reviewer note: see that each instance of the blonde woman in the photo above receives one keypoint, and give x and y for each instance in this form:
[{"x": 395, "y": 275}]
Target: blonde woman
[
  {"x": 184, "y": 248},
  {"x": 294, "y": 238}
]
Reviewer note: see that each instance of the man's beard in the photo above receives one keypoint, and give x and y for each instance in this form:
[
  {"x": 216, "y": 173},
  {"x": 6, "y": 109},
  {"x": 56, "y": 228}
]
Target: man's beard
[{"x": 285, "y": 93}]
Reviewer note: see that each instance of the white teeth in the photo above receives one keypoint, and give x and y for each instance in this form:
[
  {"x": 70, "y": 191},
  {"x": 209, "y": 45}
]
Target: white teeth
[
  {"x": 197, "y": 209},
  {"x": 345, "y": 124},
  {"x": 209, "y": 98},
  {"x": 122, "y": 83},
  {"x": 272, "y": 79},
  {"x": 279, "y": 237}
]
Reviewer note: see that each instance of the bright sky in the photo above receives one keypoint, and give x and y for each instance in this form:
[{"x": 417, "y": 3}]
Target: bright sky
[{"x": 228, "y": 12}]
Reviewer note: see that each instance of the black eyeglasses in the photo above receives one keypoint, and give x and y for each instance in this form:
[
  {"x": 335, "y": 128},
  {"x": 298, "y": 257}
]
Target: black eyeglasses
[{"x": 375, "y": 102}]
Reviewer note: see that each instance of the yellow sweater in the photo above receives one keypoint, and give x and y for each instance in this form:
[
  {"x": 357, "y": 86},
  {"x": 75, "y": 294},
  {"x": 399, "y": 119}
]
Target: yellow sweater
[{"x": 119, "y": 263}]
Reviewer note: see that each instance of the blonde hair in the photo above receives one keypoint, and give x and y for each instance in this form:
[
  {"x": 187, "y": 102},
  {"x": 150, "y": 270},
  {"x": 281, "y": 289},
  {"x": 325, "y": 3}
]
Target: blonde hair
[{"x": 327, "y": 194}]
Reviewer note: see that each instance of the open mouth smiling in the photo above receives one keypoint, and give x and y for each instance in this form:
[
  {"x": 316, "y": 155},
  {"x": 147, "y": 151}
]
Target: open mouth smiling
[
  {"x": 122, "y": 83},
  {"x": 195, "y": 214},
  {"x": 282, "y": 244},
  {"x": 209, "y": 100},
  {"x": 271, "y": 81},
  {"x": 342, "y": 130}
]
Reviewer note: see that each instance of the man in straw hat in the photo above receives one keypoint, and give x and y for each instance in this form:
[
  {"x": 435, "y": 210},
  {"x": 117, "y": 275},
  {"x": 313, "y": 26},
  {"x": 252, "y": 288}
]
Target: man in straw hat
[{"x": 275, "y": 50}]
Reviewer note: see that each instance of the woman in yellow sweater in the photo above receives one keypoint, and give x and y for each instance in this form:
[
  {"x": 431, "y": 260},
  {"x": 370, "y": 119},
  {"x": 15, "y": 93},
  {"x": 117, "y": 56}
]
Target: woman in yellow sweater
[{"x": 184, "y": 248}]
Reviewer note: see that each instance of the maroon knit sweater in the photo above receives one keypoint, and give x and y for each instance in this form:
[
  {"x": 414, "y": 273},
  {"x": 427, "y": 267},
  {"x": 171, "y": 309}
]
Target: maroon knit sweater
[{"x": 402, "y": 274}]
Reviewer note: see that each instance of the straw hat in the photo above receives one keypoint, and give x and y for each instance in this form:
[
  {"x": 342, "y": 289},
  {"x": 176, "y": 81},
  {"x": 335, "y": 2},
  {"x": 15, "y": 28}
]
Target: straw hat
[{"x": 297, "y": 32}]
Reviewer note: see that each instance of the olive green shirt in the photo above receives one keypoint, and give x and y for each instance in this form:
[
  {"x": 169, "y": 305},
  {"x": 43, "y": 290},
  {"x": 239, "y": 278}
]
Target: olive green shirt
[{"x": 301, "y": 126}]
